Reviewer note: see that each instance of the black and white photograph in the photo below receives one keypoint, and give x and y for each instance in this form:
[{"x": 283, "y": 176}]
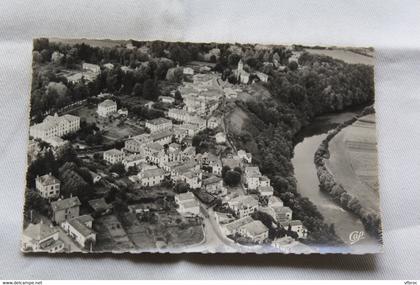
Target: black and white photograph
[{"x": 174, "y": 147}]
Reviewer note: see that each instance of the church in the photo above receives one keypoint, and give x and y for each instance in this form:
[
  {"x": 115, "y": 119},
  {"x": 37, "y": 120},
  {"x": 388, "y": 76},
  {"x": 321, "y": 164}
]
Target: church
[
  {"x": 241, "y": 75},
  {"x": 244, "y": 77}
]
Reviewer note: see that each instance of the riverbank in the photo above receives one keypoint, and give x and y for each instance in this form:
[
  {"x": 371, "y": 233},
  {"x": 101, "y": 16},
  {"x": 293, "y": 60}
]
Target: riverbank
[{"x": 328, "y": 184}]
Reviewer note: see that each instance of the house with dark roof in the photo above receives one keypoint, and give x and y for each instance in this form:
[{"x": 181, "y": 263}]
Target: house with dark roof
[
  {"x": 100, "y": 206},
  {"x": 65, "y": 209}
]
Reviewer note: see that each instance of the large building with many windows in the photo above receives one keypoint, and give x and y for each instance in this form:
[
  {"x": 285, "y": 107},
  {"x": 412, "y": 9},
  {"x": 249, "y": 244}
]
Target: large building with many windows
[
  {"x": 106, "y": 108},
  {"x": 158, "y": 124},
  {"x": 55, "y": 126}
]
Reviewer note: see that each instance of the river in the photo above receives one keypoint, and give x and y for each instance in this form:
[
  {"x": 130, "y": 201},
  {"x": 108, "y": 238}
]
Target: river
[{"x": 308, "y": 184}]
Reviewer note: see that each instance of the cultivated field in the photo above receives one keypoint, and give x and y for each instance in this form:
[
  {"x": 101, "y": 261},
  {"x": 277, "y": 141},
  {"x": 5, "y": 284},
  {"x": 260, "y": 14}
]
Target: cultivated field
[
  {"x": 353, "y": 161},
  {"x": 344, "y": 55}
]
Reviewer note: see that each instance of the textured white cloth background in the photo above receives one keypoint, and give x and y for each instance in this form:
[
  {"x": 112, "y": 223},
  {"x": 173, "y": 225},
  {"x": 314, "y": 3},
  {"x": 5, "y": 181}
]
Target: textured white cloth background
[{"x": 393, "y": 27}]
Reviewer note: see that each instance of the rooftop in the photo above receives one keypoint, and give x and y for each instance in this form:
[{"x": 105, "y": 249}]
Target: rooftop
[
  {"x": 185, "y": 196},
  {"x": 99, "y": 204},
  {"x": 113, "y": 151},
  {"x": 291, "y": 223},
  {"x": 65, "y": 203},
  {"x": 238, "y": 223},
  {"x": 47, "y": 179},
  {"x": 255, "y": 228},
  {"x": 80, "y": 227},
  {"x": 107, "y": 103},
  {"x": 39, "y": 231},
  {"x": 282, "y": 210},
  {"x": 245, "y": 200},
  {"x": 211, "y": 180},
  {"x": 154, "y": 146},
  {"x": 161, "y": 134},
  {"x": 152, "y": 173},
  {"x": 159, "y": 121}
]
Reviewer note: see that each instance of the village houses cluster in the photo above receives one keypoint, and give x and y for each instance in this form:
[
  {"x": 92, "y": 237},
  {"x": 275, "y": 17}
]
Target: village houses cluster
[{"x": 164, "y": 153}]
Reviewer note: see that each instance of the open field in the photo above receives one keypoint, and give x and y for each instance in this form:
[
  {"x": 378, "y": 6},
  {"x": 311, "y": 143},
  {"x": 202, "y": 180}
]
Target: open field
[
  {"x": 344, "y": 55},
  {"x": 115, "y": 129},
  {"x": 111, "y": 236},
  {"x": 170, "y": 230},
  {"x": 353, "y": 161}
]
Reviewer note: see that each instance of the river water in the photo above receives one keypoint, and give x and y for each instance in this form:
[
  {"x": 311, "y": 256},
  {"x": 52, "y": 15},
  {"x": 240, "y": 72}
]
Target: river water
[{"x": 344, "y": 222}]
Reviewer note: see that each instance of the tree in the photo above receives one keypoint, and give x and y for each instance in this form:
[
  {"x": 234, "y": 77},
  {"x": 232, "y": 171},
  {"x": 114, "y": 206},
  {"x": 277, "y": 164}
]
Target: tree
[
  {"x": 117, "y": 168},
  {"x": 225, "y": 169},
  {"x": 150, "y": 90},
  {"x": 175, "y": 74},
  {"x": 41, "y": 43},
  {"x": 138, "y": 90},
  {"x": 293, "y": 65},
  {"x": 232, "y": 178},
  {"x": 233, "y": 59},
  {"x": 181, "y": 187}
]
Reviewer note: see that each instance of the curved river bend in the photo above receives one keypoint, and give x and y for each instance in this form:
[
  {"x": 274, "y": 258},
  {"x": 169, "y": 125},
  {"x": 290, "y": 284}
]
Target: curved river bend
[{"x": 308, "y": 184}]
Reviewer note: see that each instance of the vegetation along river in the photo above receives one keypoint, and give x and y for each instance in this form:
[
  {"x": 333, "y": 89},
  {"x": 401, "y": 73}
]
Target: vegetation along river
[{"x": 308, "y": 184}]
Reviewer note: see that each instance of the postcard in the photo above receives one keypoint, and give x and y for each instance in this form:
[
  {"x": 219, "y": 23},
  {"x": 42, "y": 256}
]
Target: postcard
[{"x": 153, "y": 146}]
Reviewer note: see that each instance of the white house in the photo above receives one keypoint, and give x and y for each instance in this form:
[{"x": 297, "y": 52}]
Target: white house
[
  {"x": 179, "y": 115},
  {"x": 214, "y": 185},
  {"x": 274, "y": 201},
  {"x": 283, "y": 214},
  {"x": 265, "y": 191},
  {"x": 220, "y": 138},
  {"x": 262, "y": 76},
  {"x": 80, "y": 230},
  {"x": 187, "y": 204},
  {"x": 123, "y": 112},
  {"x": 151, "y": 177},
  {"x": 295, "y": 226},
  {"x": 106, "y": 108},
  {"x": 246, "y": 156},
  {"x": 55, "y": 126},
  {"x": 243, "y": 205},
  {"x": 167, "y": 99},
  {"x": 188, "y": 71},
  {"x": 162, "y": 137},
  {"x": 213, "y": 123},
  {"x": 41, "y": 237},
  {"x": 254, "y": 230},
  {"x": 91, "y": 67},
  {"x": 191, "y": 177},
  {"x": 252, "y": 177},
  {"x": 48, "y": 186},
  {"x": 134, "y": 160},
  {"x": 158, "y": 124},
  {"x": 191, "y": 129},
  {"x": 113, "y": 156},
  {"x": 109, "y": 66},
  {"x": 135, "y": 144},
  {"x": 234, "y": 226}
]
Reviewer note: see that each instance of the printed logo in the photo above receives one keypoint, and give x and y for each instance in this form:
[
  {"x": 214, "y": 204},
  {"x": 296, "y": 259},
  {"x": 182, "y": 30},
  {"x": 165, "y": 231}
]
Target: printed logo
[{"x": 356, "y": 236}]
